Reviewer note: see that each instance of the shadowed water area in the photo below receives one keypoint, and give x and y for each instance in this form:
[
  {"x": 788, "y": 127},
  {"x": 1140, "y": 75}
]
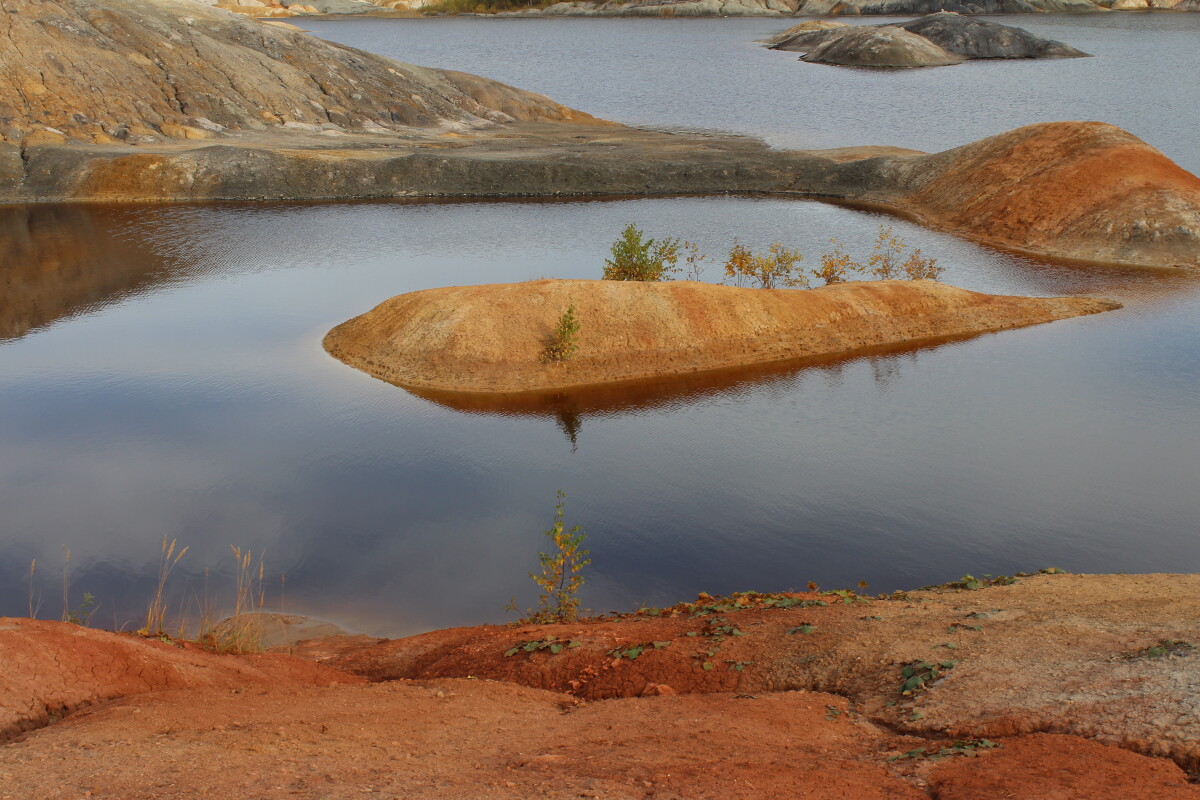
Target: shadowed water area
[{"x": 161, "y": 372}]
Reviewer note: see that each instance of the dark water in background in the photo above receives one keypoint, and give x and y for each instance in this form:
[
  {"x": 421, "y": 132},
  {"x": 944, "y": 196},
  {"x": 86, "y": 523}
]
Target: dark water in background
[{"x": 161, "y": 374}]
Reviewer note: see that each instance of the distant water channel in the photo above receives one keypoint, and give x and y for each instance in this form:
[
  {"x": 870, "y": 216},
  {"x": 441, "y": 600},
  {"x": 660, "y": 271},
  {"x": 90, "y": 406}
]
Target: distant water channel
[{"x": 161, "y": 372}]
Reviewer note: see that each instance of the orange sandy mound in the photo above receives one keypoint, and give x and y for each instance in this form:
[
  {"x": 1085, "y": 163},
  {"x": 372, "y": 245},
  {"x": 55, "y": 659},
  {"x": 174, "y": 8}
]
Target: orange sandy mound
[
  {"x": 491, "y": 338},
  {"x": 48, "y": 670},
  {"x": 1050, "y": 767},
  {"x": 200, "y": 726},
  {"x": 1086, "y": 189}
]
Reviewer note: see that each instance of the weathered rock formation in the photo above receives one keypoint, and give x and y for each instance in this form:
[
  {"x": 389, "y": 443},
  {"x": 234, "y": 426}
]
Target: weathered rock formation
[
  {"x": 814, "y": 26},
  {"x": 776, "y": 8},
  {"x": 953, "y": 38},
  {"x": 1086, "y": 188},
  {"x": 887, "y": 46},
  {"x": 142, "y": 71},
  {"x": 974, "y": 38},
  {"x": 492, "y": 338}
]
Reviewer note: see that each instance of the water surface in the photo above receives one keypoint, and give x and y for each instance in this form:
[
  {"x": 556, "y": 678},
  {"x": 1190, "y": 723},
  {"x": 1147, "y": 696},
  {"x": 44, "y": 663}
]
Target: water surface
[{"x": 161, "y": 374}]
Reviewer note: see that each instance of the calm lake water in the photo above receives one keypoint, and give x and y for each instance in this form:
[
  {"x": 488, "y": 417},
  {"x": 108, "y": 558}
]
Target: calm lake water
[{"x": 161, "y": 372}]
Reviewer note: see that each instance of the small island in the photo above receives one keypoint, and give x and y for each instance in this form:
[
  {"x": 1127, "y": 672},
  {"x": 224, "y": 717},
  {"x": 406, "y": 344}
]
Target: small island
[
  {"x": 491, "y": 338},
  {"x": 934, "y": 40}
]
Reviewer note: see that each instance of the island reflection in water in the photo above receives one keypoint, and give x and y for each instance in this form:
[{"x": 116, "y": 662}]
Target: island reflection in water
[{"x": 569, "y": 407}]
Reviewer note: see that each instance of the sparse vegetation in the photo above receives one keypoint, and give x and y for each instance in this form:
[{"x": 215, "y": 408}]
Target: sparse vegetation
[
  {"x": 836, "y": 265},
  {"x": 1164, "y": 648},
  {"x": 779, "y": 267},
  {"x": 561, "y": 573},
  {"x": 157, "y": 611},
  {"x": 919, "y": 675},
  {"x": 551, "y": 643},
  {"x": 242, "y": 631},
  {"x": 82, "y": 613},
  {"x": 564, "y": 339},
  {"x": 482, "y": 6},
  {"x": 636, "y": 258},
  {"x": 633, "y": 651},
  {"x": 961, "y": 747}
]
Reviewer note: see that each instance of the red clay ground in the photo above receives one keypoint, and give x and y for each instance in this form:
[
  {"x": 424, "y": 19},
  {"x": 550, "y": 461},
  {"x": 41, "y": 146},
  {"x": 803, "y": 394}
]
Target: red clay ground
[{"x": 1050, "y": 653}]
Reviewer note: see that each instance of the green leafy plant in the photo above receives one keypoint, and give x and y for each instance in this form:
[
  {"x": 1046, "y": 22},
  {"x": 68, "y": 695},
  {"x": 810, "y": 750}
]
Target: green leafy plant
[
  {"x": 82, "y": 613},
  {"x": 961, "y": 747},
  {"x": 633, "y": 651},
  {"x": 917, "y": 675},
  {"x": 1165, "y": 647},
  {"x": 561, "y": 573},
  {"x": 551, "y": 643},
  {"x": 636, "y": 258},
  {"x": 779, "y": 267},
  {"x": 564, "y": 339}
]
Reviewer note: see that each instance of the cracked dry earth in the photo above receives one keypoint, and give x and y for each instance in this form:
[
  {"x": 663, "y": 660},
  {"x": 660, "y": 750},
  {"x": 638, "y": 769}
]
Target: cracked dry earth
[{"x": 802, "y": 702}]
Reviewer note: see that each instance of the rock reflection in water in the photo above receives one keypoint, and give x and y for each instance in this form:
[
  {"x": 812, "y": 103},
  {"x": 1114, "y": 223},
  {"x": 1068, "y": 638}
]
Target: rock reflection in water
[{"x": 59, "y": 261}]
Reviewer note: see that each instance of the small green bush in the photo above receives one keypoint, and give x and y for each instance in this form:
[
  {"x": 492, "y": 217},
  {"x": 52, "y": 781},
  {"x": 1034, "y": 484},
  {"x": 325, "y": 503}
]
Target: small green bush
[
  {"x": 563, "y": 342},
  {"x": 561, "y": 571},
  {"x": 636, "y": 258}
]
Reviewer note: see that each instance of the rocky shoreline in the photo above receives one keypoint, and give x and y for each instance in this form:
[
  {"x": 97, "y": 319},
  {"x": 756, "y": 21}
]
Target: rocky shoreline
[
  {"x": 131, "y": 117},
  {"x": 1052, "y": 686}
]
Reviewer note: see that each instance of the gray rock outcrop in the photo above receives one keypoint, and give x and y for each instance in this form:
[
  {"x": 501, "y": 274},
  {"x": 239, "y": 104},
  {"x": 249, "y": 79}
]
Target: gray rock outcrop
[
  {"x": 950, "y": 38},
  {"x": 876, "y": 46},
  {"x": 106, "y": 71},
  {"x": 976, "y": 38}
]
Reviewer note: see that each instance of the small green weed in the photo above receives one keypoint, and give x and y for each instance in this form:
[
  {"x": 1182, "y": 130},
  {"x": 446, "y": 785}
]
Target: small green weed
[
  {"x": 564, "y": 339},
  {"x": 83, "y": 612},
  {"x": 961, "y": 747},
  {"x": 918, "y": 675},
  {"x": 1164, "y": 648},
  {"x": 551, "y": 643},
  {"x": 561, "y": 575},
  {"x": 633, "y": 651}
]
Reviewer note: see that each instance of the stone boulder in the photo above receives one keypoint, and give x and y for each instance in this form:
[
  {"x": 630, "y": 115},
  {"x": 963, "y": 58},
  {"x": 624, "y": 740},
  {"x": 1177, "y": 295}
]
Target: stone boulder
[
  {"x": 975, "y": 38},
  {"x": 886, "y": 46},
  {"x": 950, "y": 33},
  {"x": 804, "y": 34}
]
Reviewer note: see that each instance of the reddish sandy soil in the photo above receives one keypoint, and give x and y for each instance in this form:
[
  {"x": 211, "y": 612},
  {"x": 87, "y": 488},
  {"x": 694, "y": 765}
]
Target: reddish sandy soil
[
  {"x": 1085, "y": 187},
  {"x": 492, "y": 338},
  {"x": 94, "y": 714}
]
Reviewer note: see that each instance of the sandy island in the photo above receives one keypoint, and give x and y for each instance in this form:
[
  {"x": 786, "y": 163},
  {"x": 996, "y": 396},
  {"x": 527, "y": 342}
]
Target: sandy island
[{"x": 491, "y": 338}]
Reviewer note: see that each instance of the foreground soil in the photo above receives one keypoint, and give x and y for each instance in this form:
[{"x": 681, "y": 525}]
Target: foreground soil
[
  {"x": 492, "y": 338},
  {"x": 94, "y": 714}
]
